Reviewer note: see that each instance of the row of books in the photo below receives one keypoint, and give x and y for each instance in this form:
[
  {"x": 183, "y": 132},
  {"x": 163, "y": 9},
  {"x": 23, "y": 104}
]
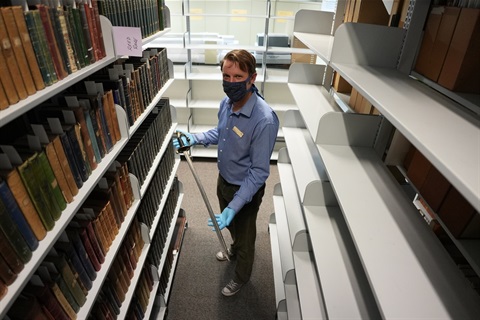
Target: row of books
[
  {"x": 113, "y": 296},
  {"x": 148, "y": 209},
  {"x": 174, "y": 248},
  {"x": 43, "y": 44},
  {"x": 71, "y": 266},
  {"x": 141, "y": 297},
  {"x": 135, "y": 81},
  {"x": 159, "y": 239},
  {"x": 148, "y": 15},
  {"x": 144, "y": 145}
]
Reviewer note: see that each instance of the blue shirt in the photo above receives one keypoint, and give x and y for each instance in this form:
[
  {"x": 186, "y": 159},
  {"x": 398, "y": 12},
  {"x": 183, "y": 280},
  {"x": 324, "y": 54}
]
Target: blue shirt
[{"x": 245, "y": 142}]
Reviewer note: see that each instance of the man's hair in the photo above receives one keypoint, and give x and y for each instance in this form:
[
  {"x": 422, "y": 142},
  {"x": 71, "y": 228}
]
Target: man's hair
[{"x": 244, "y": 59}]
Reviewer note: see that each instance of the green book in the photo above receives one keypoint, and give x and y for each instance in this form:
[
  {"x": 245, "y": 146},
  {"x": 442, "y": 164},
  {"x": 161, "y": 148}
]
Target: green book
[
  {"x": 35, "y": 189},
  {"x": 63, "y": 268},
  {"x": 38, "y": 39},
  {"x": 13, "y": 235},
  {"x": 52, "y": 181},
  {"x": 73, "y": 16}
]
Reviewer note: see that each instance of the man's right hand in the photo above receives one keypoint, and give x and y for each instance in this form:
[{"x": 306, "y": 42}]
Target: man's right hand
[{"x": 188, "y": 140}]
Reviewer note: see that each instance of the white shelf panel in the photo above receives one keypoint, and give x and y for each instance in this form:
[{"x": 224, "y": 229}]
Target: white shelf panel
[
  {"x": 283, "y": 242},
  {"x": 309, "y": 291},
  {"x": 205, "y": 104},
  {"x": 396, "y": 247},
  {"x": 291, "y": 294},
  {"x": 304, "y": 94},
  {"x": 345, "y": 287},
  {"x": 276, "y": 261},
  {"x": 305, "y": 158},
  {"x": 421, "y": 114},
  {"x": 147, "y": 41},
  {"x": 320, "y": 44}
]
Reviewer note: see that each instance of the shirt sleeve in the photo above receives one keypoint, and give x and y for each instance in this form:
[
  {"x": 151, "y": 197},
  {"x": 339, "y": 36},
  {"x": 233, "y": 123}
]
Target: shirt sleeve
[{"x": 260, "y": 152}]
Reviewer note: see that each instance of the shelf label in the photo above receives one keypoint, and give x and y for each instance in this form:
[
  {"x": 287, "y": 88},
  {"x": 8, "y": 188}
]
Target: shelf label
[{"x": 128, "y": 41}]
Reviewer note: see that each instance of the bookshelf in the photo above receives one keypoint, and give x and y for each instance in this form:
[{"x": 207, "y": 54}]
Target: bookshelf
[
  {"x": 365, "y": 234},
  {"x": 17, "y": 110}
]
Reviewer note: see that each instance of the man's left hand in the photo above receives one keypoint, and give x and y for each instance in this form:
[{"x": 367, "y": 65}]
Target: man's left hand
[{"x": 224, "y": 219}]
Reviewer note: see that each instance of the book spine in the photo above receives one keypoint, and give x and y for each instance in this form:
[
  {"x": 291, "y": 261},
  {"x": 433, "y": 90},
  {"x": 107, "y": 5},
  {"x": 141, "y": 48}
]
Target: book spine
[
  {"x": 9, "y": 254},
  {"x": 19, "y": 16},
  {"x": 99, "y": 33},
  {"x": 92, "y": 30},
  {"x": 13, "y": 210},
  {"x": 43, "y": 208},
  {"x": 46, "y": 297},
  {"x": 7, "y": 275},
  {"x": 67, "y": 308},
  {"x": 87, "y": 141},
  {"x": 78, "y": 135},
  {"x": 57, "y": 33},
  {"x": 39, "y": 55},
  {"x": 13, "y": 235},
  {"x": 52, "y": 42},
  {"x": 11, "y": 62},
  {"x": 93, "y": 138},
  {"x": 25, "y": 203},
  {"x": 86, "y": 32},
  {"x": 65, "y": 35},
  {"x": 89, "y": 249},
  {"x": 52, "y": 181},
  {"x": 77, "y": 38},
  {"x": 58, "y": 172},
  {"x": 43, "y": 54},
  {"x": 18, "y": 49},
  {"x": 78, "y": 156},
  {"x": 67, "y": 294},
  {"x": 97, "y": 128},
  {"x": 82, "y": 253},
  {"x": 102, "y": 121},
  {"x": 71, "y": 256},
  {"x": 67, "y": 171},
  {"x": 68, "y": 149}
]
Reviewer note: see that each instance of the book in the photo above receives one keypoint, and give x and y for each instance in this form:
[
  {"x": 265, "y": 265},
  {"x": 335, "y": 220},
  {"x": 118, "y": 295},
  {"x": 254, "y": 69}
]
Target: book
[
  {"x": 64, "y": 269},
  {"x": 93, "y": 237},
  {"x": 7, "y": 275},
  {"x": 11, "y": 62},
  {"x": 38, "y": 188},
  {"x": 76, "y": 37},
  {"x": 56, "y": 192},
  {"x": 35, "y": 311},
  {"x": 51, "y": 154},
  {"x": 13, "y": 235},
  {"x": 92, "y": 256},
  {"x": 20, "y": 193},
  {"x": 82, "y": 14},
  {"x": 74, "y": 237},
  {"x": 111, "y": 116},
  {"x": 65, "y": 248},
  {"x": 62, "y": 158},
  {"x": 20, "y": 21},
  {"x": 9, "y": 255},
  {"x": 53, "y": 281},
  {"x": 39, "y": 43},
  {"x": 45, "y": 296},
  {"x": 4, "y": 98},
  {"x": 50, "y": 275},
  {"x": 53, "y": 47},
  {"x": 16, "y": 215},
  {"x": 66, "y": 59},
  {"x": 61, "y": 21},
  {"x": 92, "y": 29},
  {"x": 99, "y": 32}
]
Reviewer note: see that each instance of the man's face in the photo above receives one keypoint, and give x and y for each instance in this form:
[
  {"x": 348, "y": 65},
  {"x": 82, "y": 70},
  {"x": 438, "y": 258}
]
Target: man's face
[{"x": 232, "y": 73}]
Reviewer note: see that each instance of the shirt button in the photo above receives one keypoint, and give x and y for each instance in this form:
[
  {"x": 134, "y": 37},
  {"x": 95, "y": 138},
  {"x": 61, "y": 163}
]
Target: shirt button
[{"x": 223, "y": 139}]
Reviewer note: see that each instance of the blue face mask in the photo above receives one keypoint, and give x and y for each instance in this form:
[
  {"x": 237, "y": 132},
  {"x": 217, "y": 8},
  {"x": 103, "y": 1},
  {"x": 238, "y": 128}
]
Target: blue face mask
[{"x": 236, "y": 91}]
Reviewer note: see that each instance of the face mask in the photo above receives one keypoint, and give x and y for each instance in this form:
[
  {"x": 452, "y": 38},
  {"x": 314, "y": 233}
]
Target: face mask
[{"x": 236, "y": 91}]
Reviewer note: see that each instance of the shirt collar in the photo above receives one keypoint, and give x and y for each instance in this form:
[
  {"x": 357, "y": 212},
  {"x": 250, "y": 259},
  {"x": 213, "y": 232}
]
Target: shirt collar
[{"x": 247, "y": 108}]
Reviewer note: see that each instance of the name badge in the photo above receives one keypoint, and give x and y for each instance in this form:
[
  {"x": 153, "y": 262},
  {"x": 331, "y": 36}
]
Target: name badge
[{"x": 237, "y": 131}]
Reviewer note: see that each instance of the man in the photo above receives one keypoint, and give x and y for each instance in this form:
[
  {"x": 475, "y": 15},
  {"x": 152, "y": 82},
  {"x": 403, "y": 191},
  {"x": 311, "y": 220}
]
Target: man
[{"x": 246, "y": 133}]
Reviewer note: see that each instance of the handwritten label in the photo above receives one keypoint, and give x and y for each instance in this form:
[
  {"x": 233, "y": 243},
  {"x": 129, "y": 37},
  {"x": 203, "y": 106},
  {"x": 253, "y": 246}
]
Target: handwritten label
[{"x": 128, "y": 41}]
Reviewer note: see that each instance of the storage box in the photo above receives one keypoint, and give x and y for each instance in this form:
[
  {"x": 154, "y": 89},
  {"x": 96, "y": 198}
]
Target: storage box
[
  {"x": 461, "y": 69},
  {"x": 300, "y": 57},
  {"x": 455, "y": 212},
  {"x": 438, "y": 35}
]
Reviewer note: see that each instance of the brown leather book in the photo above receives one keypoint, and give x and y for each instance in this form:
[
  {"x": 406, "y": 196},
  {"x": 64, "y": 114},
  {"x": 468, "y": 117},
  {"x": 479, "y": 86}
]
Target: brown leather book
[
  {"x": 19, "y": 16},
  {"x": 3, "y": 98},
  {"x": 11, "y": 61},
  {"x": 67, "y": 171},
  {"x": 57, "y": 171},
  {"x": 111, "y": 111},
  {"x": 87, "y": 141},
  {"x": 9, "y": 255},
  {"x": 3, "y": 289},
  {"x": 18, "y": 49}
]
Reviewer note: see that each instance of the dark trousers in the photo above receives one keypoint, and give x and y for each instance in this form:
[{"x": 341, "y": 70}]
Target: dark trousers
[{"x": 243, "y": 228}]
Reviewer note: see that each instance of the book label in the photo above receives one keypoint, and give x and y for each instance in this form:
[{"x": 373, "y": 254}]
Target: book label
[{"x": 128, "y": 41}]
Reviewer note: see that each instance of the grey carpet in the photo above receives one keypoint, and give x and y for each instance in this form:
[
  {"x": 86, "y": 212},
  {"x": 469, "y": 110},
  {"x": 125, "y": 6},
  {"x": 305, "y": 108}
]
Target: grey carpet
[{"x": 199, "y": 277}]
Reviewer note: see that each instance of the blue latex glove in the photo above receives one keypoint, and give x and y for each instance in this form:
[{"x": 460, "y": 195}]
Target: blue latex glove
[
  {"x": 224, "y": 219},
  {"x": 186, "y": 142}
]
